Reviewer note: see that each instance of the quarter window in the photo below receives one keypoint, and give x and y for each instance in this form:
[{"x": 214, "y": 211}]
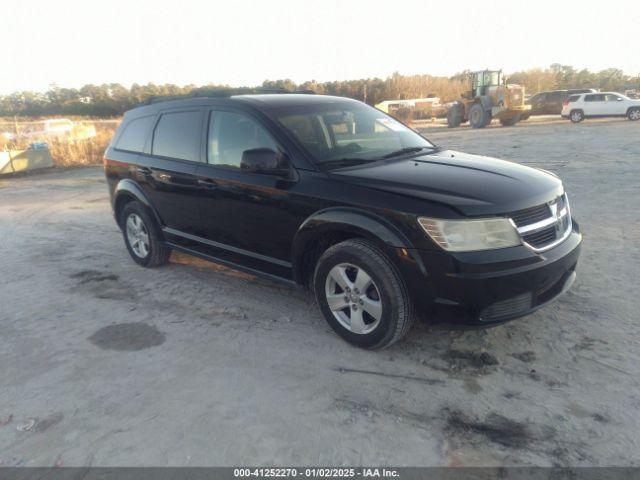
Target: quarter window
[
  {"x": 230, "y": 134},
  {"x": 135, "y": 134},
  {"x": 177, "y": 135}
]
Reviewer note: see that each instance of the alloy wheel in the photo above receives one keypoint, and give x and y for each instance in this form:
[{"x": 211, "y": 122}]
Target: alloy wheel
[
  {"x": 354, "y": 298},
  {"x": 137, "y": 235}
]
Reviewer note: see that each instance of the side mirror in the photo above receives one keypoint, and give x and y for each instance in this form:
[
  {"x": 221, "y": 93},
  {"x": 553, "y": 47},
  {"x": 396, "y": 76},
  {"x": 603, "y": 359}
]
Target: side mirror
[{"x": 266, "y": 162}]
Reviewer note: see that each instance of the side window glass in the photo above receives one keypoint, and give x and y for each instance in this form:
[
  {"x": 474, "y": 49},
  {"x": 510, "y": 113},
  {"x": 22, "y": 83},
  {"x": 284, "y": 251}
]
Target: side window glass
[
  {"x": 230, "y": 134},
  {"x": 135, "y": 134},
  {"x": 177, "y": 135},
  {"x": 610, "y": 97}
]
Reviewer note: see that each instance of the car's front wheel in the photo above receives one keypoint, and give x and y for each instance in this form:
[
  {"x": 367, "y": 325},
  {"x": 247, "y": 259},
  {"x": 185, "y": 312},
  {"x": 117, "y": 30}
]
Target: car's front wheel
[
  {"x": 362, "y": 295},
  {"x": 142, "y": 236},
  {"x": 633, "y": 114}
]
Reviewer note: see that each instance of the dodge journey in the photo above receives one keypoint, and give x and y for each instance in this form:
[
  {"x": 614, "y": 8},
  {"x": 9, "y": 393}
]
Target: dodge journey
[{"x": 332, "y": 195}]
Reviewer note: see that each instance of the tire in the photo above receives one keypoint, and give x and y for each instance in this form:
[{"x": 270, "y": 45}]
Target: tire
[
  {"x": 508, "y": 122},
  {"x": 383, "y": 308},
  {"x": 633, "y": 114},
  {"x": 142, "y": 236},
  {"x": 525, "y": 116},
  {"x": 454, "y": 117},
  {"x": 478, "y": 116},
  {"x": 576, "y": 116}
]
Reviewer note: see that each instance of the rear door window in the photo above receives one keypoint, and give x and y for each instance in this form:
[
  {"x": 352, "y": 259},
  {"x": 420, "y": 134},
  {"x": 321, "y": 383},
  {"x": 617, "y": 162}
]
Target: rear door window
[
  {"x": 135, "y": 134},
  {"x": 596, "y": 97},
  {"x": 177, "y": 135}
]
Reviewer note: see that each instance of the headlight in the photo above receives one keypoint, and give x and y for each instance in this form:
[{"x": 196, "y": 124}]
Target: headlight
[{"x": 469, "y": 235}]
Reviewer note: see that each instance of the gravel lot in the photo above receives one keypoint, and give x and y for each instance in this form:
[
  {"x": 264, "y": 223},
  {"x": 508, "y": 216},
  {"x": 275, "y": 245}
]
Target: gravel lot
[{"x": 106, "y": 363}]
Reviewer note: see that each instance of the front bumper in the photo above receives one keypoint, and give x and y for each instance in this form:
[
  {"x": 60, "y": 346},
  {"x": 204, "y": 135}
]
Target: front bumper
[{"x": 493, "y": 286}]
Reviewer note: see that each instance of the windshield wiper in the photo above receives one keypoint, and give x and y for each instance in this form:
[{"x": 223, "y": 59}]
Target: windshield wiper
[
  {"x": 344, "y": 162},
  {"x": 404, "y": 151}
]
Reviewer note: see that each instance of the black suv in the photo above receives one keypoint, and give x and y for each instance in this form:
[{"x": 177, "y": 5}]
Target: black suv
[
  {"x": 333, "y": 195},
  {"x": 550, "y": 103}
]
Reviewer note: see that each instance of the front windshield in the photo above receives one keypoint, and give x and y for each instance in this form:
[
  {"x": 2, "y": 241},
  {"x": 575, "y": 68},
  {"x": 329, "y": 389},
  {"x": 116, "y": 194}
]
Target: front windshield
[{"x": 348, "y": 131}]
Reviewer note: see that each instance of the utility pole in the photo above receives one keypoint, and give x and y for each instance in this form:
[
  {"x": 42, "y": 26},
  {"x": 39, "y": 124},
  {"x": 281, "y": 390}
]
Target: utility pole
[{"x": 364, "y": 93}]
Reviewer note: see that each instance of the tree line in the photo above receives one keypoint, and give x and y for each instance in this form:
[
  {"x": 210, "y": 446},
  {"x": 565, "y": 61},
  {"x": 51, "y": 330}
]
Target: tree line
[{"x": 113, "y": 99}]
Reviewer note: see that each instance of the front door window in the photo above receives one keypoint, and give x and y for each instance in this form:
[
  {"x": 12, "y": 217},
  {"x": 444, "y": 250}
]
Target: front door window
[{"x": 230, "y": 134}]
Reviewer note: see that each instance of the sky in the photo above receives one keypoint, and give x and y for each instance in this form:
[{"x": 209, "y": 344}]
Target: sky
[{"x": 242, "y": 42}]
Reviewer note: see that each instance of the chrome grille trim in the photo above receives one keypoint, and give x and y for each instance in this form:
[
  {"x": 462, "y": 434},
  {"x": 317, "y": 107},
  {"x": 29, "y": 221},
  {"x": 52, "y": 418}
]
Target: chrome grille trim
[
  {"x": 557, "y": 218},
  {"x": 530, "y": 215},
  {"x": 541, "y": 225}
]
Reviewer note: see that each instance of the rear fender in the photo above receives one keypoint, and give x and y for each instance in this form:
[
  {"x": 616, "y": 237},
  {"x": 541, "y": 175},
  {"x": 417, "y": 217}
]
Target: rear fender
[{"x": 130, "y": 189}]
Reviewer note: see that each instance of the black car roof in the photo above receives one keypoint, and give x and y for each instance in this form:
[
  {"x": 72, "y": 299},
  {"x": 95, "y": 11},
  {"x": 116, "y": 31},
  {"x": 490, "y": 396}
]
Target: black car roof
[{"x": 260, "y": 101}]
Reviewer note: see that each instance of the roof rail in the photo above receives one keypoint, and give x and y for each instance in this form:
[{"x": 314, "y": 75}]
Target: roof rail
[{"x": 223, "y": 93}]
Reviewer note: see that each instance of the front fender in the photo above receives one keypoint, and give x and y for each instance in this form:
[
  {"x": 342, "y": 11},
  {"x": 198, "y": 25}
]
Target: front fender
[{"x": 352, "y": 220}]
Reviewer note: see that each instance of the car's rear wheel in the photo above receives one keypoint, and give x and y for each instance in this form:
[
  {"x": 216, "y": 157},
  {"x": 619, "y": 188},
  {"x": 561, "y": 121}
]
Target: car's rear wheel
[
  {"x": 362, "y": 295},
  {"x": 576, "y": 116},
  {"x": 142, "y": 236},
  {"x": 633, "y": 114}
]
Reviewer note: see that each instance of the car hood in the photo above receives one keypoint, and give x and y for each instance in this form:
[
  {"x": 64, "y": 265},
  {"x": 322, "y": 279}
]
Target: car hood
[{"x": 472, "y": 184}]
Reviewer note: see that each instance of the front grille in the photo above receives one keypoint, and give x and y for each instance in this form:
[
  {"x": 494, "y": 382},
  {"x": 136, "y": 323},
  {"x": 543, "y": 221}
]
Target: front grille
[
  {"x": 530, "y": 215},
  {"x": 541, "y": 238},
  {"x": 507, "y": 308},
  {"x": 543, "y": 226},
  {"x": 522, "y": 304}
]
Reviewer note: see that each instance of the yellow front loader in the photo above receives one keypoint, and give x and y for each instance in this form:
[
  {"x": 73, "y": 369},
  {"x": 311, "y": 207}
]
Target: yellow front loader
[{"x": 490, "y": 97}]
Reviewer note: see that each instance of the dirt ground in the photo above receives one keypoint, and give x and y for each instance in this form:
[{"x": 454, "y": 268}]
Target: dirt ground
[{"x": 106, "y": 363}]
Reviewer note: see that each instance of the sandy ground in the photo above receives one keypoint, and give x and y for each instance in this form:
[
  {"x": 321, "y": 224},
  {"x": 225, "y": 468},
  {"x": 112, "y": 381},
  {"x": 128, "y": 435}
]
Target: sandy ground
[{"x": 106, "y": 363}]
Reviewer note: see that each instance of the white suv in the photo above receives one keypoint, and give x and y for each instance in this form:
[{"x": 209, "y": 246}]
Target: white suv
[{"x": 601, "y": 104}]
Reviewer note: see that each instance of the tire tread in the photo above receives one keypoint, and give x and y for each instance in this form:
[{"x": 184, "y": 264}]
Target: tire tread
[
  {"x": 406, "y": 314},
  {"x": 159, "y": 251}
]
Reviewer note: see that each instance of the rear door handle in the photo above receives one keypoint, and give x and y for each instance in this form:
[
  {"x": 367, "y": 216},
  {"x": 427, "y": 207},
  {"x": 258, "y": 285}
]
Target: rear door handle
[{"x": 144, "y": 170}]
